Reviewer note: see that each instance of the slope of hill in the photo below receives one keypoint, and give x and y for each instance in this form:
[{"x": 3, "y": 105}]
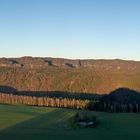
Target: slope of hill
[{"x": 53, "y": 74}]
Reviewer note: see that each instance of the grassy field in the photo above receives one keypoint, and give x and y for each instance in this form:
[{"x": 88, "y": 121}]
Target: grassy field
[{"x": 36, "y": 123}]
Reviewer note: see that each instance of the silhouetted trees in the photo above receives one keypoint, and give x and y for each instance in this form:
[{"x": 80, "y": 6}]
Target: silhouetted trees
[{"x": 120, "y": 100}]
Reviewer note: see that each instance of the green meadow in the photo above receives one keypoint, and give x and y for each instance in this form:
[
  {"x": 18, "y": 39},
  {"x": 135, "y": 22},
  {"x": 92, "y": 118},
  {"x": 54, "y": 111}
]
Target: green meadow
[{"x": 36, "y": 123}]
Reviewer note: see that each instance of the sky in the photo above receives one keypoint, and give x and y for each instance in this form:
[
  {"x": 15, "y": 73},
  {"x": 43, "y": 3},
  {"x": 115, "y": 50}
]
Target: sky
[{"x": 76, "y": 29}]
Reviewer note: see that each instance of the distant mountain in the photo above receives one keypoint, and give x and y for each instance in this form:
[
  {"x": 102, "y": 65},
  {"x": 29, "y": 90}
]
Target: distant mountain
[{"x": 57, "y": 74}]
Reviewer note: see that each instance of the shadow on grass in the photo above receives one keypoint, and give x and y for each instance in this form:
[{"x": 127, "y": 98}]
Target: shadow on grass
[{"x": 49, "y": 123}]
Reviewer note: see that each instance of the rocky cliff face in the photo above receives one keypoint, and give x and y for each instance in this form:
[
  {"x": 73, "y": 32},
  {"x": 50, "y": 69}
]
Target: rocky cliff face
[
  {"x": 52, "y": 74},
  {"x": 30, "y": 62}
]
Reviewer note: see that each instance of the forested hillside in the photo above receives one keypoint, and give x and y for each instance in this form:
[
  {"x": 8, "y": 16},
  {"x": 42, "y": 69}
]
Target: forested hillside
[{"x": 77, "y": 76}]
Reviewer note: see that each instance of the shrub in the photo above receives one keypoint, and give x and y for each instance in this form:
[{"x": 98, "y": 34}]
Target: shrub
[{"x": 86, "y": 118}]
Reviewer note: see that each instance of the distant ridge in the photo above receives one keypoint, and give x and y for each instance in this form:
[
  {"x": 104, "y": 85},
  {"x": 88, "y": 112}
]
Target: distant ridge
[
  {"x": 68, "y": 75},
  {"x": 34, "y": 62}
]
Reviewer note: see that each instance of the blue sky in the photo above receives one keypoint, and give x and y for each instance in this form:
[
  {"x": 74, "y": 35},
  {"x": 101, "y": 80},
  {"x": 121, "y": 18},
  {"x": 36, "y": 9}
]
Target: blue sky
[{"x": 88, "y": 29}]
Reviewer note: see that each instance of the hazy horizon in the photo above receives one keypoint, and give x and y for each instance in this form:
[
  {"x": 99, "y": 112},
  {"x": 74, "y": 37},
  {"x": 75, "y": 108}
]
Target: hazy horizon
[{"x": 78, "y": 29}]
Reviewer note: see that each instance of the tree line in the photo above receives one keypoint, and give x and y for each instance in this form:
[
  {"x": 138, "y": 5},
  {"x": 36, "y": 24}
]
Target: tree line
[
  {"x": 120, "y": 100},
  {"x": 113, "y": 107},
  {"x": 43, "y": 101}
]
